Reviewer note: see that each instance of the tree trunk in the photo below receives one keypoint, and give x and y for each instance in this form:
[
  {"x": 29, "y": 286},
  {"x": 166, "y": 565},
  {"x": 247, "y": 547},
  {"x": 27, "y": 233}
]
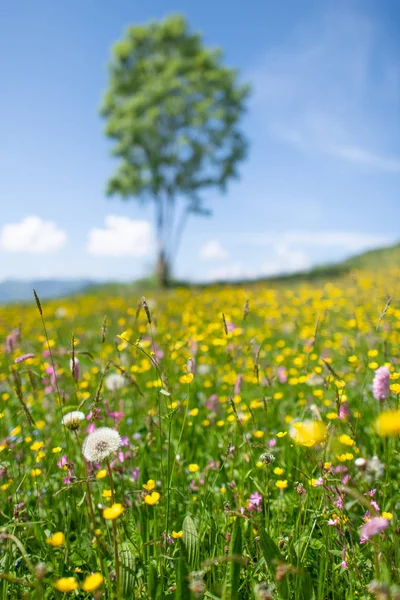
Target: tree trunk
[{"x": 162, "y": 270}]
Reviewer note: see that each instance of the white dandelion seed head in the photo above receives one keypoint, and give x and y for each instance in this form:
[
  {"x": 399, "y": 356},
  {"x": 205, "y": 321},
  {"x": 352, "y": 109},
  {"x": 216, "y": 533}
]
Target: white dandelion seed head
[
  {"x": 73, "y": 419},
  {"x": 100, "y": 444},
  {"x": 115, "y": 381}
]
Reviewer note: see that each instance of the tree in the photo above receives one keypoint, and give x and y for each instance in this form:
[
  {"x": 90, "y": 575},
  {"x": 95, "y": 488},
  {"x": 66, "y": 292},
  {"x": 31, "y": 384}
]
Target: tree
[{"x": 172, "y": 111}]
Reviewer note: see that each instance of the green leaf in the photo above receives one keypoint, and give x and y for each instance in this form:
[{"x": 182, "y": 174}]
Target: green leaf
[
  {"x": 232, "y": 578},
  {"x": 190, "y": 539}
]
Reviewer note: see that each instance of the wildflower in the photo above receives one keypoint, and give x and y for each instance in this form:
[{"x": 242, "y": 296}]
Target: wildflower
[
  {"x": 278, "y": 471},
  {"x": 176, "y": 534},
  {"x": 100, "y": 444},
  {"x": 24, "y": 357},
  {"x": 35, "y": 472},
  {"x": 152, "y": 498},
  {"x": 188, "y": 378},
  {"x": 380, "y": 384},
  {"x": 66, "y": 584},
  {"x": 113, "y": 512},
  {"x": 387, "y": 515},
  {"x": 308, "y": 433},
  {"x": 346, "y": 440},
  {"x": 150, "y": 485},
  {"x": 262, "y": 591},
  {"x": 373, "y": 527},
  {"x": 73, "y": 419},
  {"x": 281, "y": 484},
  {"x": 74, "y": 366},
  {"x": 114, "y": 381},
  {"x": 196, "y": 583},
  {"x": 254, "y": 502},
  {"x": 267, "y": 458},
  {"x": 101, "y": 474},
  {"x": 92, "y": 582},
  {"x": 193, "y": 468},
  {"x": 57, "y": 539},
  {"x": 388, "y": 423}
]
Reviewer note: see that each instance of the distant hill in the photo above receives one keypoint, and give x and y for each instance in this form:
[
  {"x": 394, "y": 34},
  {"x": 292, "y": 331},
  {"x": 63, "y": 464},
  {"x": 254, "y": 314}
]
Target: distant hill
[
  {"x": 13, "y": 290},
  {"x": 21, "y": 291}
]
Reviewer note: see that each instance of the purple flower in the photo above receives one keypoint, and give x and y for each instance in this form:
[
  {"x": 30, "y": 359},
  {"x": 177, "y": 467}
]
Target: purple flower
[
  {"x": 24, "y": 357},
  {"x": 135, "y": 473},
  {"x": 380, "y": 384},
  {"x": 373, "y": 527}
]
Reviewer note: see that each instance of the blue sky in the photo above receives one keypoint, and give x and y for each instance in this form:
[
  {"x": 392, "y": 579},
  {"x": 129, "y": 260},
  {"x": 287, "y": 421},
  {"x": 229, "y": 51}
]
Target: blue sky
[{"x": 322, "y": 179}]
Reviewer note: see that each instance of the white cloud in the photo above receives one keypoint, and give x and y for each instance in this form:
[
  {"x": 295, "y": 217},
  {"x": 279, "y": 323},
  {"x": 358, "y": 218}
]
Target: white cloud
[
  {"x": 363, "y": 157},
  {"x": 32, "y": 235},
  {"x": 332, "y": 87},
  {"x": 285, "y": 259},
  {"x": 234, "y": 271},
  {"x": 122, "y": 236},
  {"x": 351, "y": 241},
  {"x": 213, "y": 251}
]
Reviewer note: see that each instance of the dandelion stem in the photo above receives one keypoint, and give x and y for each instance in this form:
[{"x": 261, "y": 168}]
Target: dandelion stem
[{"x": 114, "y": 528}]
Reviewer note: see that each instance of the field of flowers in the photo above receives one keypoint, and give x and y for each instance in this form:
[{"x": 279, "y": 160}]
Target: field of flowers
[{"x": 226, "y": 443}]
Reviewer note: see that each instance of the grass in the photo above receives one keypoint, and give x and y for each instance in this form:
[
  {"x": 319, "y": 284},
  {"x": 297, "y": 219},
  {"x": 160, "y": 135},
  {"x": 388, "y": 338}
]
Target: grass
[{"x": 242, "y": 411}]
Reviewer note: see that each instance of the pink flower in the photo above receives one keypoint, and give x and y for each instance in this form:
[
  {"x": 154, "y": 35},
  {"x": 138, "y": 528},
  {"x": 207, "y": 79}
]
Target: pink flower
[
  {"x": 380, "y": 384},
  {"x": 282, "y": 374},
  {"x": 238, "y": 384},
  {"x": 24, "y": 357},
  {"x": 344, "y": 411},
  {"x": 254, "y": 502},
  {"x": 373, "y": 527},
  {"x": 74, "y": 368}
]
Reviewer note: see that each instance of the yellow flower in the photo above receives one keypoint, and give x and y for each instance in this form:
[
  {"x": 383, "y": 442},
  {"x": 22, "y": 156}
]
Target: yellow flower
[
  {"x": 278, "y": 471},
  {"x": 387, "y": 515},
  {"x": 36, "y": 446},
  {"x": 281, "y": 484},
  {"x": 113, "y": 512},
  {"x": 92, "y": 582},
  {"x": 16, "y": 430},
  {"x": 152, "y": 498},
  {"x": 194, "y": 412},
  {"x": 150, "y": 485},
  {"x": 36, "y": 472},
  {"x": 188, "y": 378},
  {"x": 308, "y": 433},
  {"x": 281, "y": 434},
  {"x": 258, "y": 434},
  {"x": 388, "y": 423},
  {"x": 193, "y": 468},
  {"x": 57, "y": 539},
  {"x": 106, "y": 494},
  {"x": 176, "y": 534},
  {"x": 56, "y": 449},
  {"x": 66, "y": 584},
  {"x": 346, "y": 440},
  {"x": 101, "y": 474}
]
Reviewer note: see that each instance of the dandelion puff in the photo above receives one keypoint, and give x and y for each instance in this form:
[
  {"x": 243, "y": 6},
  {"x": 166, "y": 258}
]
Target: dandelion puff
[
  {"x": 73, "y": 419},
  {"x": 115, "y": 381},
  {"x": 100, "y": 444}
]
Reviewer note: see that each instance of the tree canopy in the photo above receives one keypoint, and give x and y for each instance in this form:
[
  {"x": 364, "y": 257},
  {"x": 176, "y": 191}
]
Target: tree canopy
[{"x": 172, "y": 110}]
